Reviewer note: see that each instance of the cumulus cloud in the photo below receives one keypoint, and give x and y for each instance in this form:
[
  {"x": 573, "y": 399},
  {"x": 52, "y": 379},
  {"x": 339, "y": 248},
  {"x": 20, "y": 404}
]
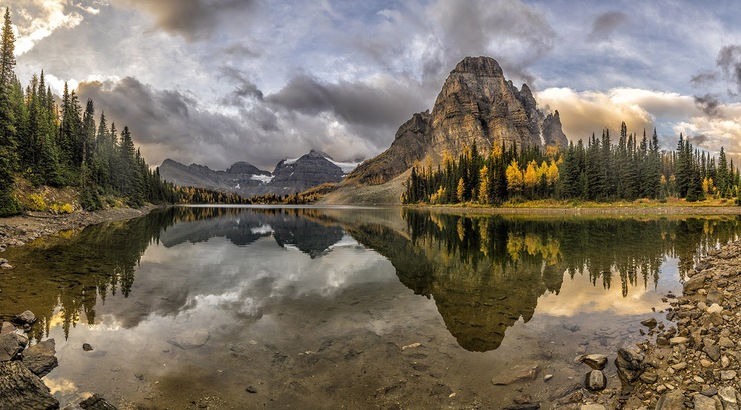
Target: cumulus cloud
[
  {"x": 35, "y": 20},
  {"x": 193, "y": 19},
  {"x": 591, "y": 111},
  {"x": 605, "y": 24}
]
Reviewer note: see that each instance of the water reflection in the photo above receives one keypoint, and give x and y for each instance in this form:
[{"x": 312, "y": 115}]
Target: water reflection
[{"x": 484, "y": 273}]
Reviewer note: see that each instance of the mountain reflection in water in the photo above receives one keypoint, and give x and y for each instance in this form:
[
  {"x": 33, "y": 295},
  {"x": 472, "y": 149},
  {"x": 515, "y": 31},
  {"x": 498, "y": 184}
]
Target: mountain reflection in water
[{"x": 484, "y": 272}]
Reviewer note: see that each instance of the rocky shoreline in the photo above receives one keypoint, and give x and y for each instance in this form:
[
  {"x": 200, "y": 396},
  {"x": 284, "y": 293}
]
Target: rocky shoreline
[
  {"x": 691, "y": 361},
  {"x": 23, "y": 365},
  {"x": 696, "y": 363},
  {"x": 21, "y": 229}
]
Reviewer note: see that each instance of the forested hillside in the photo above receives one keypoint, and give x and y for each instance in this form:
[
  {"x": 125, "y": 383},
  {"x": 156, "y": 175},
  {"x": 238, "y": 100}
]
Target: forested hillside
[
  {"x": 58, "y": 143},
  {"x": 597, "y": 171}
]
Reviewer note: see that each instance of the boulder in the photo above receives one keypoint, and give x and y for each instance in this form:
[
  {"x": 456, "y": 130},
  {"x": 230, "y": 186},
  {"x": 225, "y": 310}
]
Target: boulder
[
  {"x": 7, "y": 328},
  {"x": 21, "y": 389},
  {"x": 10, "y": 347},
  {"x": 40, "y": 358},
  {"x": 595, "y": 361},
  {"x": 694, "y": 283},
  {"x": 26, "y": 318},
  {"x": 595, "y": 380}
]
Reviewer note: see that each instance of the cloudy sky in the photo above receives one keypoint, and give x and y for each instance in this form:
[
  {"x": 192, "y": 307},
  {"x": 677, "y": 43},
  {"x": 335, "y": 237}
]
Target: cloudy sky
[{"x": 219, "y": 81}]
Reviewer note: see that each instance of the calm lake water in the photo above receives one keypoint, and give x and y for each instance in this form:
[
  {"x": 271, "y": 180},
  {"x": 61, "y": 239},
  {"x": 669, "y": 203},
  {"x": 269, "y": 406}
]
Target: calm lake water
[{"x": 206, "y": 307}]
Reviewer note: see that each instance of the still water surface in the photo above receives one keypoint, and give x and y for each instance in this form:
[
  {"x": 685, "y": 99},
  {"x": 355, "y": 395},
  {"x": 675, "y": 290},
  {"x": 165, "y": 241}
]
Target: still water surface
[{"x": 206, "y": 307}]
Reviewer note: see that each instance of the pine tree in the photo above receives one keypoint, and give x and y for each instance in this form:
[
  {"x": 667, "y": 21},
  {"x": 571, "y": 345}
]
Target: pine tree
[{"x": 8, "y": 142}]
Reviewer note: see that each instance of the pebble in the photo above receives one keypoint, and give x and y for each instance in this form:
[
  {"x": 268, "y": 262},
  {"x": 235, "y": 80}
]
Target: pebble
[
  {"x": 251, "y": 390},
  {"x": 727, "y": 375}
]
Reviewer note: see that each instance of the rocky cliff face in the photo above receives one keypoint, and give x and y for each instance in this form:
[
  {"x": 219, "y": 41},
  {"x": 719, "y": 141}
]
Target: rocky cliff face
[
  {"x": 290, "y": 176},
  {"x": 476, "y": 104}
]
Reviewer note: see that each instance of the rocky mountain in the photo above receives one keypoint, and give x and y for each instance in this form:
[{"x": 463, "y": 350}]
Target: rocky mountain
[
  {"x": 476, "y": 104},
  {"x": 289, "y": 177}
]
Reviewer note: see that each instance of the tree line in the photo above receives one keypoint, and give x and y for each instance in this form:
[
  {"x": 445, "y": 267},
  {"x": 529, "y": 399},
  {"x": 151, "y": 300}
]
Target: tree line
[
  {"x": 599, "y": 170},
  {"x": 59, "y": 144}
]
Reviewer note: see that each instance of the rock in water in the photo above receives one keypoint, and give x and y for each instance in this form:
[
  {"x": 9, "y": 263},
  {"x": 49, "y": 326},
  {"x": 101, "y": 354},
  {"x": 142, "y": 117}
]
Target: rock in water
[
  {"x": 595, "y": 380},
  {"x": 40, "y": 358},
  {"x": 26, "y": 317},
  {"x": 649, "y": 323},
  {"x": 190, "y": 340},
  {"x": 595, "y": 361},
  {"x": 21, "y": 389}
]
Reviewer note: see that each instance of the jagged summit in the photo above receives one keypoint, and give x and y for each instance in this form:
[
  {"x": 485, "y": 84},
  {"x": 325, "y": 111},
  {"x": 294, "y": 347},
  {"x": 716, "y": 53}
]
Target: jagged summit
[
  {"x": 476, "y": 104},
  {"x": 479, "y": 66}
]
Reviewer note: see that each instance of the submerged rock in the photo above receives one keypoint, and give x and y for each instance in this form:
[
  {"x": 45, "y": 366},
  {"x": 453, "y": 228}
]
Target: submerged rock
[
  {"x": 516, "y": 374},
  {"x": 95, "y": 402},
  {"x": 190, "y": 340}
]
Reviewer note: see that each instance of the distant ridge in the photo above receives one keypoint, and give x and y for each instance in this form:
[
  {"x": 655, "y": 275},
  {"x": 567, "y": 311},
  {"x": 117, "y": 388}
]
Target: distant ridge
[{"x": 290, "y": 176}]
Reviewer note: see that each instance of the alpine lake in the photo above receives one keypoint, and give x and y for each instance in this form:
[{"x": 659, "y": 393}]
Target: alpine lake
[{"x": 344, "y": 307}]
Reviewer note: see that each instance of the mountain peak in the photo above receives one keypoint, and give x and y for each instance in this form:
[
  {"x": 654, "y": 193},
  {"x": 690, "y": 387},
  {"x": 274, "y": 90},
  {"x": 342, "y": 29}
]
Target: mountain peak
[
  {"x": 476, "y": 104},
  {"x": 317, "y": 153},
  {"x": 479, "y": 66}
]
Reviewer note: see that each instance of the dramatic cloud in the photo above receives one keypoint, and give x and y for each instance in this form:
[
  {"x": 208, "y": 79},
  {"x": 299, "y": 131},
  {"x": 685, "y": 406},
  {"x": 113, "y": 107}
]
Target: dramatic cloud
[
  {"x": 605, "y": 24},
  {"x": 729, "y": 61},
  {"x": 709, "y": 104},
  {"x": 173, "y": 124},
  {"x": 384, "y": 104},
  {"x": 193, "y": 19},
  {"x": 244, "y": 89}
]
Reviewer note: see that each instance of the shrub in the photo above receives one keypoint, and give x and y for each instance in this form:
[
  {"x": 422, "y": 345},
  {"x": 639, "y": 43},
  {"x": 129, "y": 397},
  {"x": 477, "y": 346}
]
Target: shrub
[{"x": 37, "y": 202}]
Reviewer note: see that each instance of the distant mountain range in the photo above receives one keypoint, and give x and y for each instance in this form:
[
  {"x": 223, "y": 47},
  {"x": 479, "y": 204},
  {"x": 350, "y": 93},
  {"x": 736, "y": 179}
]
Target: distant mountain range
[
  {"x": 477, "y": 104},
  {"x": 289, "y": 177}
]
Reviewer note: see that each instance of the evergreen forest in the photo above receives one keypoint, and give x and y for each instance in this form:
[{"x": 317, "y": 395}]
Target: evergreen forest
[
  {"x": 599, "y": 170},
  {"x": 58, "y": 144}
]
